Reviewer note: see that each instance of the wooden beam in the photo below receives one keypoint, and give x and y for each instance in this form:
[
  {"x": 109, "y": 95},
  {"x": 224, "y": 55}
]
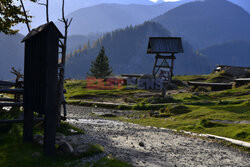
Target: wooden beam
[
  {"x": 165, "y": 57},
  {"x": 132, "y": 75},
  {"x": 6, "y": 99},
  {"x": 161, "y": 66},
  {"x": 11, "y": 91},
  {"x": 209, "y": 84},
  {"x": 6, "y": 83},
  {"x": 11, "y": 104}
]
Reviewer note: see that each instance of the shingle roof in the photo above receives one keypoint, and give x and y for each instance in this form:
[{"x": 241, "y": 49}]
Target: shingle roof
[
  {"x": 41, "y": 28},
  {"x": 164, "y": 45}
]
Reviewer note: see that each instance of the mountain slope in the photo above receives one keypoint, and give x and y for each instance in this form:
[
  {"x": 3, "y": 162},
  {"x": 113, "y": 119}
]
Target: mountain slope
[
  {"x": 245, "y": 4},
  {"x": 11, "y": 55},
  {"x": 108, "y": 17},
  {"x": 126, "y": 49},
  {"x": 205, "y": 23},
  {"x": 236, "y": 53},
  {"x": 70, "y": 6}
]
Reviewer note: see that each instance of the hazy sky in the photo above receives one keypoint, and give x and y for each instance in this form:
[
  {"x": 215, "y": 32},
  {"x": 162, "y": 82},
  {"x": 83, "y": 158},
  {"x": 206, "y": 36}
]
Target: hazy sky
[
  {"x": 38, "y": 11},
  {"x": 165, "y": 0}
]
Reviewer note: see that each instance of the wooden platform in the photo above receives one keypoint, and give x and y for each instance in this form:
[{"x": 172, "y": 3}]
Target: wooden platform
[
  {"x": 132, "y": 75},
  {"x": 242, "y": 81},
  {"x": 214, "y": 86}
]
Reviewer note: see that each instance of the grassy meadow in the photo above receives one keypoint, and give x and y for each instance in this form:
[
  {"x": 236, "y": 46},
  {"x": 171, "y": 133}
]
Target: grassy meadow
[{"x": 224, "y": 113}]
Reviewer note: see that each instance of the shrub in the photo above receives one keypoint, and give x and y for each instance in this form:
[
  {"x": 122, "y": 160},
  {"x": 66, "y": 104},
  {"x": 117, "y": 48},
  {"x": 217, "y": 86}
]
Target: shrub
[
  {"x": 177, "y": 110},
  {"x": 124, "y": 107},
  {"x": 208, "y": 124},
  {"x": 242, "y": 135}
]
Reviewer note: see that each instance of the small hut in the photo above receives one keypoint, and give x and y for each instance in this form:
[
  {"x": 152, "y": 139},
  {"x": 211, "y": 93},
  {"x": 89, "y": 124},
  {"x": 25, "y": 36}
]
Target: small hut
[
  {"x": 165, "y": 49},
  {"x": 40, "y": 81}
]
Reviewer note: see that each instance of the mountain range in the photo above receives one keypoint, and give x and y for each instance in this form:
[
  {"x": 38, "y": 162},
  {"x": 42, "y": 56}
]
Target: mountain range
[
  {"x": 204, "y": 23},
  {"x": 108, "y": 17},
  {"x": 126, "y": 50}
]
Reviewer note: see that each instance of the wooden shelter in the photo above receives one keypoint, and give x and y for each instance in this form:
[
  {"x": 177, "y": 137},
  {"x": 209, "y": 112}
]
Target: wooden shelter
[
  {"x": 165, "y": 49},
  {"x": 40, "y": 82}
]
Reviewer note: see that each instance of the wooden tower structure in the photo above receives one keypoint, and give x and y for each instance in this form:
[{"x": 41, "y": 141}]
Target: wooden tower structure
[{"x": 165, "y": 49}]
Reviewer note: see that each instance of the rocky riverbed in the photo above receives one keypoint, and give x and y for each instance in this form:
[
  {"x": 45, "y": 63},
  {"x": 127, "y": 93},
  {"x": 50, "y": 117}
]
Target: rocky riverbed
[{"x": 148, "y": 146}]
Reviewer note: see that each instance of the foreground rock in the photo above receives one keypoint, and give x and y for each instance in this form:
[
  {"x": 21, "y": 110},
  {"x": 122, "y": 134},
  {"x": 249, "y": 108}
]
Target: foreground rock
[{"x": 66, "y": 148}]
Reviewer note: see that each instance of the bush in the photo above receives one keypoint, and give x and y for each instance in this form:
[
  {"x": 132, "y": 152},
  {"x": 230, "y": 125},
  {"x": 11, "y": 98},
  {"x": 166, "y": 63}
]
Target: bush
[
  {"x": 201, "y": 89},
  {"x": 208, "y": 124},
  {"x": 242, "y": 135},
  {"x": 124, "y": 107},
  {"x": 177, "y": 110},
  {"x": 170, "y": 111}
]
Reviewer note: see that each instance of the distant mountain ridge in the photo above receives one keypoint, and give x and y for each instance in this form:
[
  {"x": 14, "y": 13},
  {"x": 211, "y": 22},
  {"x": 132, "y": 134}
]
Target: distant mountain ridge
[
  {"x": 204, "y": 23},
  {"x": 245, "y": 4},
  {"x": 108, "y": 17}
]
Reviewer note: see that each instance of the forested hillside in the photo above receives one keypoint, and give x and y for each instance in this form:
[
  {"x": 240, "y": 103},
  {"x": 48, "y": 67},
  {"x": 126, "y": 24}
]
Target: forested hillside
[
  {"x": 235, "y": 53},
  {"x": 209, "y": 22},
  {"x": 126, "y": 49},
  {"x": 77, "y": 41}
]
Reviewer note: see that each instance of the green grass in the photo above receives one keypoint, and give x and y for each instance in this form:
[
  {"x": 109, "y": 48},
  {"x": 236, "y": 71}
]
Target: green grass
[
  {"x": 213, "y": 77},
  {"x": 236, "y": 94},
  {"x": 198, "y": 119},
  {"x": 186, "y": 111},
  {"x": 77, "y": 89},
  {"x": 191, "y": 77},
  {"x": 13, "y": 152}
]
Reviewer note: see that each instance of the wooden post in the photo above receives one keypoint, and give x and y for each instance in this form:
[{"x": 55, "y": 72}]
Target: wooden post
[
  {"x": 50, "y": 133},
  {"x": 28, "y": 111},
  {"x": 28, "y": 125},
  {"x": 156, "y": 59},
  {"x": 172, "y": 67}
]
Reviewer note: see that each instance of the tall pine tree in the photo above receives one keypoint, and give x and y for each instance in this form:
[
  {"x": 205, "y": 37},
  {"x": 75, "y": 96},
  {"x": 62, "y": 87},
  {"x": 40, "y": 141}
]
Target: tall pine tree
[{"x": 100, "y": 67}]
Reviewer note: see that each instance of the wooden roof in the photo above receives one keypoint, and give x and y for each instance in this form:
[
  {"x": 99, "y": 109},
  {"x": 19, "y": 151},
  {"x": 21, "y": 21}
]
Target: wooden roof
[
  {"x": 164, "y": 45},
  {"x": 42, "y": 28}
]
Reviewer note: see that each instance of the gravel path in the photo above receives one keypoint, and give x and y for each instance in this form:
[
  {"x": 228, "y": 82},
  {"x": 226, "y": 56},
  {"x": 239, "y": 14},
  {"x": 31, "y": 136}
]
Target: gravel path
[{"x": 153, "y": 147}]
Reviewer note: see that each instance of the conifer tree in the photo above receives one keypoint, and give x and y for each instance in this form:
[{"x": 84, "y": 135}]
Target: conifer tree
[{"x": 100, "y": 67}]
